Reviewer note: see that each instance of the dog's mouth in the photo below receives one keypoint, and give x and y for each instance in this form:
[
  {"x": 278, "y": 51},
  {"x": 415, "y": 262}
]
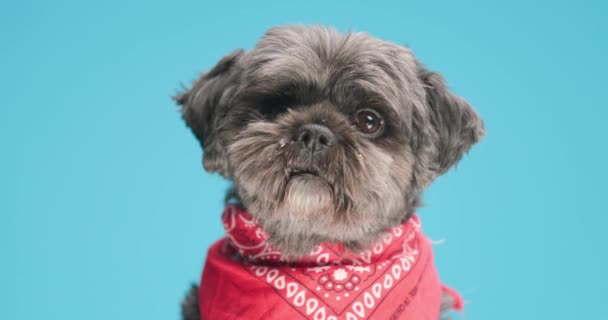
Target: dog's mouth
[
  {"x": 304, "y": 172},
  {"x": 308, "y": 189},
  {"x": 300, "y": 174}
]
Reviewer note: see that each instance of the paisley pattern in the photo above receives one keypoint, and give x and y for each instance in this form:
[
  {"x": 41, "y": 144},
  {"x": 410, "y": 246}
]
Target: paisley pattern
[{"x": 332, "y": 282}]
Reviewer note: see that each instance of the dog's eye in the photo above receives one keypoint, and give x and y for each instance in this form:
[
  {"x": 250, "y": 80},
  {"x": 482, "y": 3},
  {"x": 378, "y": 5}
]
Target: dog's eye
[
  {"x": 369, "y": 121},
  {"x": 271, "y": 110}
]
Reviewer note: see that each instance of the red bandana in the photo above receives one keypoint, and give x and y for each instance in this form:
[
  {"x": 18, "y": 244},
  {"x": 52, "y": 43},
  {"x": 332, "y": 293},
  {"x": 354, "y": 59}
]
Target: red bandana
[{"x": 394, "y": 279}]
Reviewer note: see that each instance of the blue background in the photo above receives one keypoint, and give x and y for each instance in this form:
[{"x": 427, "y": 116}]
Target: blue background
[{"x": 106, "y": 213}]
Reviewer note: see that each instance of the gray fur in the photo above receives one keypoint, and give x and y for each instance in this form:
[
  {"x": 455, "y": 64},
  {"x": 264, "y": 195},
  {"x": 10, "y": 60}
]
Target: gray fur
[
  {"x": 447, "y": 301},
  {"x": 190, "y": 309},
  {"x": 204, "y": 108},
  {"x": 247, "y": 110}
]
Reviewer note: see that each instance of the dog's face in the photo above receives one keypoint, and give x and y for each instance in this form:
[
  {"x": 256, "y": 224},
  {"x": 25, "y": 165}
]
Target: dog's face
[{"x": 327, "y": 136}]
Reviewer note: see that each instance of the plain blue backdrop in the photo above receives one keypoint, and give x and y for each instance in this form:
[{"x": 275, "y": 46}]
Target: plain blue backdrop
[{"x": 106, "y": 213}]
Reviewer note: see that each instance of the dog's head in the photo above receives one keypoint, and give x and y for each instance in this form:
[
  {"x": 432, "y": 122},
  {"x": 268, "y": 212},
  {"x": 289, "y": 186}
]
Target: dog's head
[{"x": 327, "y": 136}]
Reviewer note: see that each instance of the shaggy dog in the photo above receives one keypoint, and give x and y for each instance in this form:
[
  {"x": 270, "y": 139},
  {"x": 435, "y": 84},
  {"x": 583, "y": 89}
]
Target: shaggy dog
[{"x": 327, "y": 137}]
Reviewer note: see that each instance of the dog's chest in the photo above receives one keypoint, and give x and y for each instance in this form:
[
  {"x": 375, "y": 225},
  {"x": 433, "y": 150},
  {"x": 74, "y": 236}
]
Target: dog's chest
[{"x": 393, "y": 278}]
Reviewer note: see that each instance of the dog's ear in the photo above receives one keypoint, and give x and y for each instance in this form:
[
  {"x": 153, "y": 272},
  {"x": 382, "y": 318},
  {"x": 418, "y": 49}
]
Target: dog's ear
[
  {"x": 204, "y": 107},
  {"x": 454, "y": 125}
]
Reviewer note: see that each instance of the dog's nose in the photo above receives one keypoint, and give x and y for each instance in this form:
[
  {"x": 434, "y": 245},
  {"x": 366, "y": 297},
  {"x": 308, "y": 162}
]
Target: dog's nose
[{"x": 315, "y": 137}]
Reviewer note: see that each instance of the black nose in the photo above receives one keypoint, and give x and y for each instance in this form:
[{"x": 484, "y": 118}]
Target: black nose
[{"x": 315, "y": 137}]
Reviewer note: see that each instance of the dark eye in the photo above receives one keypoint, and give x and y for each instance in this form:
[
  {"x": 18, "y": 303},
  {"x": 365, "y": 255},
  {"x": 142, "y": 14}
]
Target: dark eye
[
  {"x": 270, "y": 109},
  {"x": 369, "y": 121}
]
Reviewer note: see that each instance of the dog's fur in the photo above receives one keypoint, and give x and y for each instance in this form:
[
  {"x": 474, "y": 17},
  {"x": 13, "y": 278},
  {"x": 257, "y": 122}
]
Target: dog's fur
[{"x": 248, "y": 110}]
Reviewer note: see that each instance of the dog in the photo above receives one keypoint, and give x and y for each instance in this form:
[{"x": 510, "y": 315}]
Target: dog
[{"x": 329, "y": 139}]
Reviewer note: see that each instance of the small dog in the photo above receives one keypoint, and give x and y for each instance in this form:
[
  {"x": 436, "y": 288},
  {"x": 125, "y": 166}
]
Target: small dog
[{"x": 329, "y": 139}]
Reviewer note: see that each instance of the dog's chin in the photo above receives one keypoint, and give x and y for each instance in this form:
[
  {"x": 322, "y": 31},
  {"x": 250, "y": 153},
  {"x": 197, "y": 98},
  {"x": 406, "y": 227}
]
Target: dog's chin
[{"x": 307, "y": 195}]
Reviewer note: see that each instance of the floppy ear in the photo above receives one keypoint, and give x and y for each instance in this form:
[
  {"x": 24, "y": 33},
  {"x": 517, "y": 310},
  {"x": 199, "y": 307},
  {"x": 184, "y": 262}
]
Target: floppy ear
[
  {"x": 455, "y": 126},
  {"x": 204, "y": 107}
]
